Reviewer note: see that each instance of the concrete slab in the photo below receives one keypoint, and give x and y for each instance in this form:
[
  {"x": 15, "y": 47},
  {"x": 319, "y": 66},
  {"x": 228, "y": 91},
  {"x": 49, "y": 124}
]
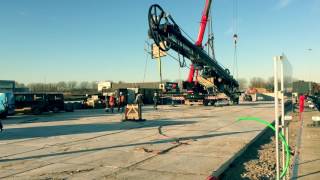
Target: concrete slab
[
  {"x": 139, "y": 174},
  {"x": 183, "y": 164},
  {"x": 309, "y": 156},
  {"x": 56, "y": 171},
  {"x": 112, "y": 158},
  {"x": 182, "y": 142}
]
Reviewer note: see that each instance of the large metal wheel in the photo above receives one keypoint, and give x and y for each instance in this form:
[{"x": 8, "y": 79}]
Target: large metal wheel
[{"x": 157, "y": 18}]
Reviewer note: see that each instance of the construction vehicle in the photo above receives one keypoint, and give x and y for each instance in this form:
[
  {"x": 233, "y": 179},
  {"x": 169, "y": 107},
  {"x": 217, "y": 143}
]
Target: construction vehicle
[
  {"x": 208, "y": 81},
  {"x": 171, "y": 88},
  {"x": 94, "y": 101},
  {"x": 39, "y": 102},
  {"x": 3, "y": 106},
  {"x": 315, "y": 101}
]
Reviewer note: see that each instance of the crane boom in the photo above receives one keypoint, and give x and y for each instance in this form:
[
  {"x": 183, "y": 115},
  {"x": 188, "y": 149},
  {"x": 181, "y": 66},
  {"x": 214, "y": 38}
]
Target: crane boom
[
  {"x": 203, "y": 22},
  {"x": 167, "y": 35},
  {"x": 202, "y": 29}
]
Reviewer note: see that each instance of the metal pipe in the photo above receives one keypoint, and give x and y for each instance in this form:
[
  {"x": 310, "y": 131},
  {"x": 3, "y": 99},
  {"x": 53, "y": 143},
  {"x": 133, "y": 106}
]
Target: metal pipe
[
  {"x": 276, "y": 115},
  {"x": 282, "y": 110}
]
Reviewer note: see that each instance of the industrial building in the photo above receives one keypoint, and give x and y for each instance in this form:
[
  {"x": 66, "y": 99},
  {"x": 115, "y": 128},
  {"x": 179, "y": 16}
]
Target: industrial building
[{"x": 7, "y": 86}]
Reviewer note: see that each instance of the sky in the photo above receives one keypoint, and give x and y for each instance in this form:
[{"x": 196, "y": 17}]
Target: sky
[{"x": 95, "y": 40}]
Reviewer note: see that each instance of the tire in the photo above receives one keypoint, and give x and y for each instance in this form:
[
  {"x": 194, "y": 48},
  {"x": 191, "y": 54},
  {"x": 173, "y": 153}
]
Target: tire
[
  {"x": 55, "y": 109},
  {"x": 3, "y": 115},
  {"x": 234, "y": 101},
  {"x": 36, "y": 111},
  {"x": 69, "y": 108}
]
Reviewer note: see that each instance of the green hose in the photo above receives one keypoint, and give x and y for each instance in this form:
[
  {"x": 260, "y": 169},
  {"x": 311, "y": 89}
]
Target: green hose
[{"x": 280, "y": 135}]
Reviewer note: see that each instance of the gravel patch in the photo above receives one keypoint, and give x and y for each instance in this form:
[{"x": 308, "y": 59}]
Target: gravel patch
[{"x": 257, "y": 162}]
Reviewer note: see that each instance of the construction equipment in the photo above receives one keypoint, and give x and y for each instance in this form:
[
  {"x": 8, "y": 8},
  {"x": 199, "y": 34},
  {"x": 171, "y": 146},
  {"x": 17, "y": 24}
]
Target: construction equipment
[
  {"x": 133, "y": 112},
  {"x": 39, "y": 102},
  {"x": 3, "y": 106},
  {"x": 211, "y": 78},
  {"x": 315, "y": 100}
]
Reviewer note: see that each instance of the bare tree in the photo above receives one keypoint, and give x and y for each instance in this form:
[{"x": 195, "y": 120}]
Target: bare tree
[
  {"x": 84, "y": 85},
  {"x": 71, "y": 85},
  {"x": 243, "y": 83},
  {"x": 61, "y": 86},
  {"x": 257, "y": 82},
  {"x": 270, "y": 84},
  {"x": 93, "y": 85},
  {"x": 19, "y": 85},
  {"x": 42, "y": 87}
]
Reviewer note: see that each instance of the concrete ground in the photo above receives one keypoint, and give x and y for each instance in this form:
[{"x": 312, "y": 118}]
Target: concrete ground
[
  {"x": 183, "y": 142},
  {"x": 309, "y": 155}
]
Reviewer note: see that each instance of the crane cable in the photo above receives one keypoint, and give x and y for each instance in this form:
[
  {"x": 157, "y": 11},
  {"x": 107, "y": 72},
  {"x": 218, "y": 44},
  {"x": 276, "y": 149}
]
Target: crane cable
[
  {"x": 148, "y": 52},
  {"x": 147, "y": 57},
  {"x": 210, "y": 42},
  {"x": 170, "y": 55},
  {"x": 235, "y": 39}
]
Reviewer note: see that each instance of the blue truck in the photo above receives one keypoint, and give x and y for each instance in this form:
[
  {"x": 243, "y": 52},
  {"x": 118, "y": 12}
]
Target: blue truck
[
  {"x": 3, "y": 105},
  {"x": 7, "y": 104}
]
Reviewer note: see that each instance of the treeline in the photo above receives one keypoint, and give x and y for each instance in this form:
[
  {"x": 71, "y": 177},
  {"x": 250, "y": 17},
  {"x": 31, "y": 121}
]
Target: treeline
[
  {"x": 59, "y": 86},
  {"x": 255, "y": 82},
  {"x": 258, "y": 82}
]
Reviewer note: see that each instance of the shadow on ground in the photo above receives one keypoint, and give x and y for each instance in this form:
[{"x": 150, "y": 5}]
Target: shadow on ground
[
  {"x": 162, "y": 141},
  {"x": 54, "y": 117},
  {"x": 59, "y": 130}
]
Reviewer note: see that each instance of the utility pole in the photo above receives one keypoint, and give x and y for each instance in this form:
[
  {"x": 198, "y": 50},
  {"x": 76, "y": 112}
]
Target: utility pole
[
  {"x": 284, "y": 127},
  {"x": 157, "y": 53},
  {"x": 160, "y": 67},
  {"x": 310, "y": 87},
  {"x": 309, "y": 74},
  {"x": 276, "y": 115}
]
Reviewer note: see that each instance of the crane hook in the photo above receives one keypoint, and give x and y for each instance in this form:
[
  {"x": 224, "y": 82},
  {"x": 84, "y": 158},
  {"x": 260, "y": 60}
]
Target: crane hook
[{"x": 235, "y": 38}]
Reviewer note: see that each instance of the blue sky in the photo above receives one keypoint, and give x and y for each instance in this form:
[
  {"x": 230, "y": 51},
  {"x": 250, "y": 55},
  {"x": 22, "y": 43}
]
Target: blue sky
[{"x": 89, "y": 40}]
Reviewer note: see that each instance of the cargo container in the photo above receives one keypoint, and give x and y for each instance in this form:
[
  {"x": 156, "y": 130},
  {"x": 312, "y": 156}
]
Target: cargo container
[{"x": 40, "y": 102}]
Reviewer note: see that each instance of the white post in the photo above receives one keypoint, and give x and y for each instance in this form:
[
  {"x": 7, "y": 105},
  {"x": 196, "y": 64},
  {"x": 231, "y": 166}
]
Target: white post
[
  {"x": 282, "y": 112},
  {"x": 276, "y": 116}
]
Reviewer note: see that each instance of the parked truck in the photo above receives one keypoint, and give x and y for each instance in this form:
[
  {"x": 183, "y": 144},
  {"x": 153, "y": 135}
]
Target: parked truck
[
  {"x": 3, "y": 106},
  {"x": 38, "y": 102}
]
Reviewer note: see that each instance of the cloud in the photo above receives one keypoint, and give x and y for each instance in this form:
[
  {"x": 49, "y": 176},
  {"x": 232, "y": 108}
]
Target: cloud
[{"x": 283, "y": 4}]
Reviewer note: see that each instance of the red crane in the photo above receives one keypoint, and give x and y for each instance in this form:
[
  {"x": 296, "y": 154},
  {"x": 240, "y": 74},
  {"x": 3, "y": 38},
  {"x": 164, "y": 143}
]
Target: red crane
[{"x": 202, "y": 30}]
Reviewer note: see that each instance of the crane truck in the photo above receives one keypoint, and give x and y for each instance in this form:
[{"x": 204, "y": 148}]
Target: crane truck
[{"x": 207, "y": 79}]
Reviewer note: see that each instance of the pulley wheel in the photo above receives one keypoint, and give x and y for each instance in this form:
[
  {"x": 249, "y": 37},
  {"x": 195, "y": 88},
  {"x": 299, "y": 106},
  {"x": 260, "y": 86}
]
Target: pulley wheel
[{"x": 157, "y": 18}]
